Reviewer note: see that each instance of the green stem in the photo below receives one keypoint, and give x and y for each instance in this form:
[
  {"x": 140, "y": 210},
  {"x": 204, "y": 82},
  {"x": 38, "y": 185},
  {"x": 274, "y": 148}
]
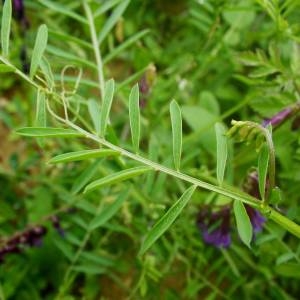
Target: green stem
[
  {"x": 20, "y": 73},
  {"x": 289, "y": 225},
  {"x": 96, "y": 47},
  {"x": 286, "y": 223},
  {"x": 237, "y": 195}
]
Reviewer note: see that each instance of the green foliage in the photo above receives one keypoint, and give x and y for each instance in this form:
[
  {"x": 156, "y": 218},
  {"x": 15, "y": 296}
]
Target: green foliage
[
  {"x": 85, "y": 85},
  {"x": 134, "y": 117},
  {"x": 243, "y": 223},
  {"x": 166, "y": 220},
  {"x": 176, "y": 132},
  {"x": 222, "y": 151},
  {"x": 39, "y": 48},
  {"x": 106, "y": 105},
  {"x": 5, "y": 27}
]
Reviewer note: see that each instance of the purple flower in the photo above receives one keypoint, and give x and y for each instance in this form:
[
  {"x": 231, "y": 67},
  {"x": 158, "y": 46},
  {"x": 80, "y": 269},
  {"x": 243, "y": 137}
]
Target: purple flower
[
  {"x": 215, "y": 226},
  {"x": 279, "y": 118},
  {"x": 256, "y": 218},
  {"x": 282, "y": 116},
  {"x": 56, "y": 224},
  {"x": 18, "y": 9},
  {"x": 19, "y": 14}
]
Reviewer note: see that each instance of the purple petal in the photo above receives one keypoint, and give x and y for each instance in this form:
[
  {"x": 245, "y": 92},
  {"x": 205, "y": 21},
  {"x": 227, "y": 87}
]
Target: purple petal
[
  {"x": 215, "y": 226},
  {"x": 256, "y": 218},
  {"x": 278, "y": 118}
]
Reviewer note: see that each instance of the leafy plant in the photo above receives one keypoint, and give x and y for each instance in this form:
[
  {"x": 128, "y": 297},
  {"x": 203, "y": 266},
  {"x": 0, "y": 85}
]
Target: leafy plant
[{"x": 125, "y": 195}]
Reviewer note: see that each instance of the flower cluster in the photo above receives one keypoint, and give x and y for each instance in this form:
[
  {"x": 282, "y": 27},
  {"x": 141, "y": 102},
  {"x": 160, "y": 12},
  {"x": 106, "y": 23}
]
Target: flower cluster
[{"x": 31, "y": 237}]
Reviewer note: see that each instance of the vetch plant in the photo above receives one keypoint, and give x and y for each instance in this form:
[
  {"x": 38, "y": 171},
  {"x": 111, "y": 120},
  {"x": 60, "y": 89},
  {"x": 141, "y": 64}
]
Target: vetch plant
[
  {"x": 245, "y": 129},
  {"x": 85, "y": 124}
]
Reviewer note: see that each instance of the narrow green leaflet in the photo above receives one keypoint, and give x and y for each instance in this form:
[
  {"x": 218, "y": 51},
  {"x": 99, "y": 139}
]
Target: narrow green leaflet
[
  {"x": 94, "y": 110},
  {"x": 134, "y": 117},
  {"x": 85, "y": 177},
  {"x": 46, "y": 69},
  {"x": 109, "y": 211},
  {"x": 5, "y": 27},
  {"x": 124, "y": 45},
  {"x": 89, "y": 269},
  {"x": 6, "y": 68},
  {"x": 107, "y": 5},
  {"x": 82, "y": 155},
  {"x": 47, "y": 132},
  {"x": 222, "y": 151},
  {"x": 176, "y": 121},
  {"x": 106, "y": 105},
  {"x": 289, "y": 270},
  {"x": 116, "y": 177},
  {"x": 112, "y": 20},
  {"x": 166, "y": 220},
  {"x": 40, "y": 117},
  {"x": 243, "y": 222},
  {"x": 38, "y": 50},
  {"x": 263, "y": 71},
  {"x": 263, "y": 162},
  {"x": 64, "y": 10}
]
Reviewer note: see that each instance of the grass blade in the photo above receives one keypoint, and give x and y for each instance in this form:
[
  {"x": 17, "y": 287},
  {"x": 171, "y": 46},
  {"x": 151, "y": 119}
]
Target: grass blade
[
  {"x": 113, "y": 19},
  {"x": 116, "y": 177},
  {"x": 263, "y": 162},
  {"x": 106, "y": 106},
  {"x": 176, "y": 121},
  {"x": 47, "y": 132},
  {"x": 39, "y": 48},
  {"x": 5, "y": 27},
  {"x": 82, "y": 155},
  {"x": 243, "y": 222},
  {"x": 166, "y": 220},
  {"x": 109, "y": 211},
  {"x": 222, "y": 151},
  {"x": 134, "y": 117}
]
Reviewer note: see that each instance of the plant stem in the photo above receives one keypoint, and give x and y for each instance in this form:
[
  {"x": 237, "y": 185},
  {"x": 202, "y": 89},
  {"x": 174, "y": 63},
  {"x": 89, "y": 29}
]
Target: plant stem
[
  {"x": 96, "y": 47},
  {"x": 237, "y": 195},
  {"x": 20, "y": 73},
  {"x": 289, "y": 225},
  {"x": 286, "y": 223}
]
